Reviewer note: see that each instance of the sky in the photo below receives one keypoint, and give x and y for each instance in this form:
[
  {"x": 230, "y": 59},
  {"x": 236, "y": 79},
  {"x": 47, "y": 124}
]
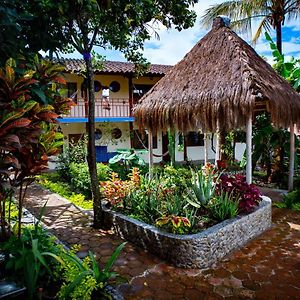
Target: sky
[{"x": 173, "y": 45}]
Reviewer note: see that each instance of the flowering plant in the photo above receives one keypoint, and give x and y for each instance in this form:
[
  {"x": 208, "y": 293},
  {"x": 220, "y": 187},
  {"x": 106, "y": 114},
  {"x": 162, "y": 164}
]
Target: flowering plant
[{"x": 115, "y": 190}]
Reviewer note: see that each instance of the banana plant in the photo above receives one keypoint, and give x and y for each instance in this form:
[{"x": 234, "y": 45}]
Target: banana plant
[{"x": 289, "y": 70}]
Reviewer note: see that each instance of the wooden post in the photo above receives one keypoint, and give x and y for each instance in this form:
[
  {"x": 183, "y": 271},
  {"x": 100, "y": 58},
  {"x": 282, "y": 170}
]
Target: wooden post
[
  {"x": 217, "y": 155},
  {"x": 150, "y": 152},
  {"x": 292, "y": 157},
  {"x": 206, "y": 141},
  {"x": 249, "y": 149}
]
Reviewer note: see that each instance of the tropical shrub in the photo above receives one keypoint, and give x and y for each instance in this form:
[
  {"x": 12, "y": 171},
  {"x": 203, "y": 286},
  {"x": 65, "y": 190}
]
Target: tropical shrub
[
  {"x": 238, "y": 188},
  {"x": 124, "y": 161},
  {"x": 203, "y": 184},
  {"x": 224, "y": 207},
  {"x": 292, "y": 200},
  {"x": 75, "y": 152},
  {"x": 30, "y": 103},
  {"x": 31, "y": 258},
  {"x": 174, "y": 224},
  {"x": 83, "y": 278}
]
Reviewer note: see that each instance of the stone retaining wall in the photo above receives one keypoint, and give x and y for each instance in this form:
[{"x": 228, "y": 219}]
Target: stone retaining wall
[{"x": 199, "y": 250}]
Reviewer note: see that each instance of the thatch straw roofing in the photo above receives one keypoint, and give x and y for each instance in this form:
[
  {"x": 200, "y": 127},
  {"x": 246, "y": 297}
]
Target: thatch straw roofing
[{"x": 217, "y": 84}]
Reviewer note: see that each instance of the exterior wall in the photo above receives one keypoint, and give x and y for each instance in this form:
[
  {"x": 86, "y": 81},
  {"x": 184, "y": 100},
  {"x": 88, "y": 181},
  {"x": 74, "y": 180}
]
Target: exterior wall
[{"x": 193, "y": 153}]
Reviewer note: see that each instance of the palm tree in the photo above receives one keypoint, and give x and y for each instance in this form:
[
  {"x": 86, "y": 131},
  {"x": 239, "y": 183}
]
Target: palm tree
[{"x": 271, "y": 14}]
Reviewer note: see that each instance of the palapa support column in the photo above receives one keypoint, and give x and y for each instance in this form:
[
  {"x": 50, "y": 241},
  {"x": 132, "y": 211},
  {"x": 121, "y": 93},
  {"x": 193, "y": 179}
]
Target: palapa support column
[
  {"x": 206, "y": 141},
  {"x": 150, "y": 152},
  {"x": 249, "y": 149},
  {"x": 292, "y": 157},
  {"x": 217, "y": 155}
]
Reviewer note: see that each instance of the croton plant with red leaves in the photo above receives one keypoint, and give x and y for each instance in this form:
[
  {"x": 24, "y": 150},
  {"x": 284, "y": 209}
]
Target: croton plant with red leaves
[
  {"x": 236, "y": 185},
  {"x": 30, "y": 103}
]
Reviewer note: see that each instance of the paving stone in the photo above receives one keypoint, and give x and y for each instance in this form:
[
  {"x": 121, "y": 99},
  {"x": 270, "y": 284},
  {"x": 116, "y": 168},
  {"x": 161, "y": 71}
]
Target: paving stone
[
  {"x": 223, "y": 291},
  {"x": 268, "y": 268},
  {"x": 193, "y": 294}
]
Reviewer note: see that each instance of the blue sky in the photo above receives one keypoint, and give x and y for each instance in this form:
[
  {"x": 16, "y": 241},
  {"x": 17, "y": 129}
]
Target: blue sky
[{"x": 173, "y": 45}]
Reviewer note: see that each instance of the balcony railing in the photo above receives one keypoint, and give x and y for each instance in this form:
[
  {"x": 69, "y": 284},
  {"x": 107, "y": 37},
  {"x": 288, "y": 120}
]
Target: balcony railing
[{"x": 111, "y": 108}]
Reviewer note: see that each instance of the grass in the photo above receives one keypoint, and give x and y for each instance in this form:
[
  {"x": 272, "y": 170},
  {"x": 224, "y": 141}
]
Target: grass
[{"x": 52, "y": 182}]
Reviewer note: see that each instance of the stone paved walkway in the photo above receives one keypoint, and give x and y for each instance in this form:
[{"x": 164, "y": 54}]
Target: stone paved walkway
[{"x": 267, "y": 268}]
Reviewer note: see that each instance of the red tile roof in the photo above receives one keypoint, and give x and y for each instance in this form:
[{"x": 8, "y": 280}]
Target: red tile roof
[{"x": 112, "y": 67}]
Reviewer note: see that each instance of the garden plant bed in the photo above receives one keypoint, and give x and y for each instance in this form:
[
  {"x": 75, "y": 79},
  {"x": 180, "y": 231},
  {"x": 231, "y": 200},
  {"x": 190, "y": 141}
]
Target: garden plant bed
[{"x": 198, "y": 250}]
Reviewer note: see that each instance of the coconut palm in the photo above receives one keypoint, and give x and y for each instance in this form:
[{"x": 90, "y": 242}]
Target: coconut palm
[{"x": 270, "y": 14}]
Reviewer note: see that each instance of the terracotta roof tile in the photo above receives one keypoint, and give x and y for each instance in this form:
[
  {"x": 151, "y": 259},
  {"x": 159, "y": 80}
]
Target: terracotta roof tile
[{"x": 112, "y": 67}]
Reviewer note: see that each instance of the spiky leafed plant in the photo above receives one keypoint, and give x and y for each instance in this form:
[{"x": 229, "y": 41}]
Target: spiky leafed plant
[{"x": 269, "y": 14}]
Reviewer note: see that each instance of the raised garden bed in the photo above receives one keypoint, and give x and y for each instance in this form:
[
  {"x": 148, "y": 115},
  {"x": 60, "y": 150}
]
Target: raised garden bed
[{"x": 199, "y": 250}]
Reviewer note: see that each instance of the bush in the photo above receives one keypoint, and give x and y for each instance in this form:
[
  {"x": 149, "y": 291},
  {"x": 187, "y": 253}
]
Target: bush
[
  {"x": 292, "y": 200},
  {"x": 236, "y": 185},
  {"x": 73, "y": 153},
  {"x": 223, "y": 207},
  {"x": 80, "y": 177}
]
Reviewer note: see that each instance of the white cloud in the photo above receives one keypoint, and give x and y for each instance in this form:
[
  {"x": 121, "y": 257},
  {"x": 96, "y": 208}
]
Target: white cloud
[{"x": 173, "y": 45}]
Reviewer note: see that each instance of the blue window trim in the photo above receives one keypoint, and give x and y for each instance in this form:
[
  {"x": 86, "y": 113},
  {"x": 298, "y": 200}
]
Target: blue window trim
[{"x": 98, "y": 120}]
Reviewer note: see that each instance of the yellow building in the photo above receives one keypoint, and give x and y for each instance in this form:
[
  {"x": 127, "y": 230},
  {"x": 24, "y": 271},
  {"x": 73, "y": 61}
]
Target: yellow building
[{"x": 117, "y": 91}]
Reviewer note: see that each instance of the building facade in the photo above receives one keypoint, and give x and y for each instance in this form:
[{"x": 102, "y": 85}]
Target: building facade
[{"x": 116, "y": 92}]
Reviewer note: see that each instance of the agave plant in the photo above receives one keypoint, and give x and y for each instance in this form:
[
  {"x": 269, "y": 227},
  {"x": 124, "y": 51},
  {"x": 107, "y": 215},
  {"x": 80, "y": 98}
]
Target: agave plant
[{"x": 203, "y": 186}]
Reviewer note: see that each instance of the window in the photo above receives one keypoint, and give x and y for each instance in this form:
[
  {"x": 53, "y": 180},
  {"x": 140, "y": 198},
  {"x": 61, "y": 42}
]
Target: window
[
  {"x": 116, "y": 133},
  {"x": 114, "y": 86},
  {"x": 72, "y": 90},
  {"x": 139, "y": 90},
  {"x": 140, "y": 140},
  {"x": 194, "y": 138}
]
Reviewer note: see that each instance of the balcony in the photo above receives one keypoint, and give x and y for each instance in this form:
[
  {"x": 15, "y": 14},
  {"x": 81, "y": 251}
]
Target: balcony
[{"x": 112, "y": 110}]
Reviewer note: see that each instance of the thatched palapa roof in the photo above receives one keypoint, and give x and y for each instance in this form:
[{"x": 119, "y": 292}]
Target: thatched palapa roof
[{"x": 217, "y": 84}]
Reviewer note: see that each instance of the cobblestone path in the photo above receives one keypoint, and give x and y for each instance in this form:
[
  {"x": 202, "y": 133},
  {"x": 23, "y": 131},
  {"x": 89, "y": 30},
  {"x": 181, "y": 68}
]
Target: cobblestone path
[{"x": 267, "y": 268}]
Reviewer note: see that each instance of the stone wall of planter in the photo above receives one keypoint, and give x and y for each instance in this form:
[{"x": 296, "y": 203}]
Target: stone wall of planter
[{"x": 199, "y": 250}]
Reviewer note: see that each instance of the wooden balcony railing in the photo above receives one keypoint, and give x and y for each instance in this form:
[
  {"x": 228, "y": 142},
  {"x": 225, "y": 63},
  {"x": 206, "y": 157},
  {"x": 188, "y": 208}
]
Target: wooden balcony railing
[{"x": 112, "y": 108}]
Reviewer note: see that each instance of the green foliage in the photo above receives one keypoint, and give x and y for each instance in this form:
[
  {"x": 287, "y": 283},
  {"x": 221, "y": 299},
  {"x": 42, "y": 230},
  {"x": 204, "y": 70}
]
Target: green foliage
[
  {"x": 203, "y": 186},
  {"x": 174, "y": 224},
  {"x": 82, "y": 278},
  {"x": 172, "y": 146},
  {"x": 124, "y": 161},
  {"x": 224, "y": 206},
  {"x": 31, "y": 257},
  {"x": 289, "y": 70},
  {"x": 64, "y": 190},
  {"x": 292, "y": 200},
  {"x": 75, "y": 152},
  {"x": 27, "y": 132}
]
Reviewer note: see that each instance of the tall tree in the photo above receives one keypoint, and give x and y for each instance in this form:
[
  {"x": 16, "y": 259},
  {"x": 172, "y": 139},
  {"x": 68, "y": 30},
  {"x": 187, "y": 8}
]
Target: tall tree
[
  {"x": 270, "y": 14},
  {"x": 120, "y": 24},
  {"x": 123, "y": 25}
]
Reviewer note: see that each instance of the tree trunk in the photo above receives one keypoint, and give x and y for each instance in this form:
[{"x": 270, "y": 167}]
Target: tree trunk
[
  {"x": 279, "y": 36},
  {"x": 91, "y": 157}
]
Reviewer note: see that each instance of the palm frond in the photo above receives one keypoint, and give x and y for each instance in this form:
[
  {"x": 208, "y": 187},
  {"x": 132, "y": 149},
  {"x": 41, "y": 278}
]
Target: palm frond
[
  {"x": 226, "y": 8},
  {"x": 264, "y": 24}
]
